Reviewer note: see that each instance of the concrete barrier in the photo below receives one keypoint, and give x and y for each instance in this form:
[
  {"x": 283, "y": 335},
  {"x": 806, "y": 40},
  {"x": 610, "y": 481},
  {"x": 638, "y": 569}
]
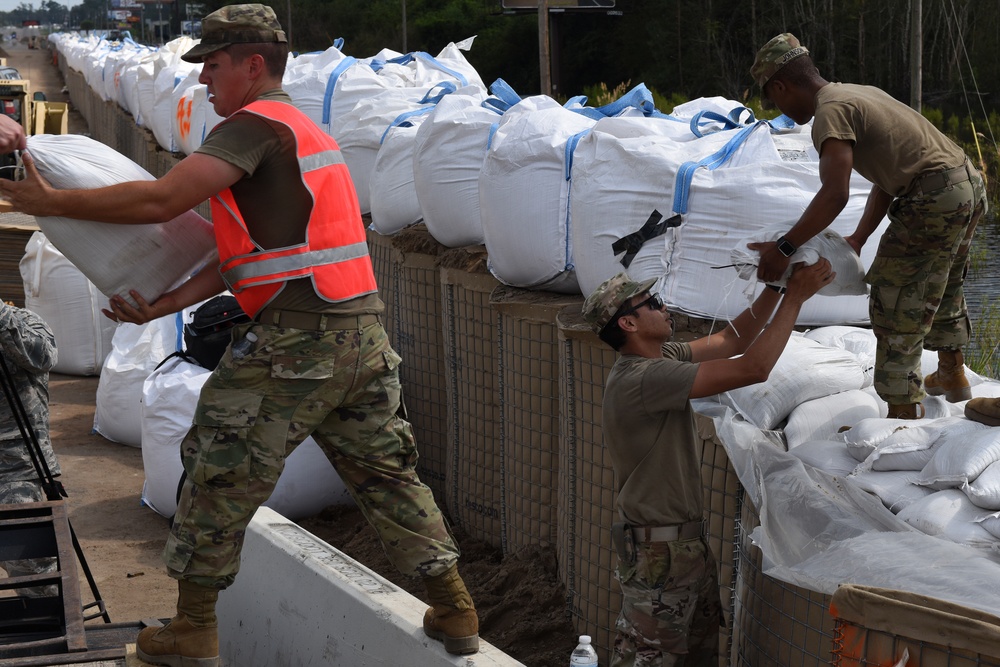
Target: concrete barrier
[{"x": 299, "y": 601}]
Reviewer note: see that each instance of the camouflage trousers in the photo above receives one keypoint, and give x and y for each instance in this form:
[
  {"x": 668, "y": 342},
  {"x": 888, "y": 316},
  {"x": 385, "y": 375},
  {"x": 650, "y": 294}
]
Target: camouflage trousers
[
  {"x": 27, "y": 491},
  {"x": 917, "y": 301},
  {"x": 671, "y": 609},
  {"x": 340, "y": 386}
]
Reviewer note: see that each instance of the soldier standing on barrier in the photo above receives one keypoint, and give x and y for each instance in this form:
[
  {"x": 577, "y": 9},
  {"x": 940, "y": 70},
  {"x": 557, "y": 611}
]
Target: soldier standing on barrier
[
  {"x": 671, "y": 610},
  {"x": 934, "y": 198},
  {"x": 315, "y": 360},
  {"x": 28, "y": 348}
]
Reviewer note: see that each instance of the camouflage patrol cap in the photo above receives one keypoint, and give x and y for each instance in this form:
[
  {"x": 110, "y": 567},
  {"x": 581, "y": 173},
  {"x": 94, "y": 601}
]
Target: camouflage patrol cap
[
  {"x": 774, "y": 55},
  {"x": 236, "y": 24},
  {"x": 605, "y": 301}
]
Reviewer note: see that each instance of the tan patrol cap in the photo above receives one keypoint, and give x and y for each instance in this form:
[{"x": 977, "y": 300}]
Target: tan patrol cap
[
  {"x": 236, "y": 24},
  {"x": 605, "y": 301},
  {"x": 774, "y": 55}
]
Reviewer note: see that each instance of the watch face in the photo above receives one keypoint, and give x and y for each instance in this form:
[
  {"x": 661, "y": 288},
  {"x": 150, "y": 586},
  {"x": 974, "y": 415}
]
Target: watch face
[{"x": 785, "y": 248}]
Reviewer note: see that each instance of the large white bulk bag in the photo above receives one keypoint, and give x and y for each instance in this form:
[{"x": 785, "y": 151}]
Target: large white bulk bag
[
  {"x": 136, "y": 352},
  {"x": 448, "y": 156},
  {"x": 116, "y": 258},
  {"x": 805, "y": 370},
  {"x": 524, "y": 195},
  {"x": 136, "y": 81},
  {"x": 683, "y": 205},
  {"x": 195, "y": 116},
  {"x": 309, "y": 79},
  {"x": 307, "y": 484},
  {"x": 61, "y": 295},
  {"x": 159, "y": 117},
  {"x": 394, "y": 204}
]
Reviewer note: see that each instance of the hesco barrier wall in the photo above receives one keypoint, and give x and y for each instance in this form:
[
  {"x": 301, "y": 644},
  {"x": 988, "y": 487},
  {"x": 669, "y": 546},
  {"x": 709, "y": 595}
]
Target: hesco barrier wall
[{"x": 505, "y": 396}]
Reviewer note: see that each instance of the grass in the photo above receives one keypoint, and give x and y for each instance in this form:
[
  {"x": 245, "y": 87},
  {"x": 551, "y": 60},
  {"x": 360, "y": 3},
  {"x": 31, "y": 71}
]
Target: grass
[{"x": 981, "y": 353}]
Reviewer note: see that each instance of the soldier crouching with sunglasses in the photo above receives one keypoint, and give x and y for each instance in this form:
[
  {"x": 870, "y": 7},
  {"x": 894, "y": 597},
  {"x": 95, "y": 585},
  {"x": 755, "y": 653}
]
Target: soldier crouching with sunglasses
[{"x": 671, "y": 610}]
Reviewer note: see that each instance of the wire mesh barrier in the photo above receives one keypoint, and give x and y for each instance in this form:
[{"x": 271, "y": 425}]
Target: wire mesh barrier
[
  {"x": 875, "y": 626},
  {"x": 386, "y": 277},
  {"x": 419, "y": 340},
  {"x": 473, "y": 471},
  {"x": 528, "y": 353}
]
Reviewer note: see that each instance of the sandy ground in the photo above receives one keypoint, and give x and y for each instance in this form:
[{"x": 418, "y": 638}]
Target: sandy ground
[{"x": 520, "y": 601}]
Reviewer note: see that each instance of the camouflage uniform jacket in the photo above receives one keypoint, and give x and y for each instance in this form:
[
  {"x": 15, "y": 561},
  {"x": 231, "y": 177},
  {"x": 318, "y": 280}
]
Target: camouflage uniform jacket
[{"x": 29, "y": 351}]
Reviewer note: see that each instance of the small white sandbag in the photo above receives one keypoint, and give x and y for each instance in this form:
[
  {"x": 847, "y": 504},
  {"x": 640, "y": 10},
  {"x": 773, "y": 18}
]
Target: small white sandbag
[
  {"x": 895, "y": 488},
  {"x": 962, "y": 456},
  {"x": 116, "y": 258},
  {"x": 856, "y": 340},
  {"x": 824, "y": 417},
  {"x": 950, "y": 515},
  {"x": 804, "y": 371},
  {"x": 827, "y": 455},
  {"x": 985, "y": 490},
  {"x": 828, "y": 243},
  {"x": 991, "y": 522},
  {"x": 914, "y": 444}
]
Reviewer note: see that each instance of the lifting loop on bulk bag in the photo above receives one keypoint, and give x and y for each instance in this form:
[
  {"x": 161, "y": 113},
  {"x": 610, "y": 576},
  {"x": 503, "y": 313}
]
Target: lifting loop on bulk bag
[{"x": 331, "y": 83}]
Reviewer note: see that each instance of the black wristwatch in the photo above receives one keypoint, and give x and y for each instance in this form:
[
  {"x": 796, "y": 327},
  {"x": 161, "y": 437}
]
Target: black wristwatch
[{"x": 785, "y": 247}]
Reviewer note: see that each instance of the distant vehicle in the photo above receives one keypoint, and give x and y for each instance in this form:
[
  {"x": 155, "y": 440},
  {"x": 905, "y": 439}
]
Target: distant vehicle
[{"x": 10, "y": 106}]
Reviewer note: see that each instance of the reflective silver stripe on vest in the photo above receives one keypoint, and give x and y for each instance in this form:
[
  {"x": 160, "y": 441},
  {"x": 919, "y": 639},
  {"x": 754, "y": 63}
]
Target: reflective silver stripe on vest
[
  {"x": 320, "y": 160},
  {"x": 277, "y": 265}
]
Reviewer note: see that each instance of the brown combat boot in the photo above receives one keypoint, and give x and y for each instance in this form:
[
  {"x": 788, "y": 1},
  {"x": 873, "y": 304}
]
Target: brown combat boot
[
  {"x": 984, "y": 410},
  {"x": 906, "y": 411},
  {"x": 452, "y": 617},
  {"x": 949, "y": 380},
  {"x": 191, "y": 638}
]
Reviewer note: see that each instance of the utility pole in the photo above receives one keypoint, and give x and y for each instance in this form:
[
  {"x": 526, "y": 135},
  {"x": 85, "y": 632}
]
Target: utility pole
[
  {"x": 544, "y": 48},
  {"x": 916, "y": 54},
  {"x": 405, "y": 50},
  {"x": 288, "y": 27}
]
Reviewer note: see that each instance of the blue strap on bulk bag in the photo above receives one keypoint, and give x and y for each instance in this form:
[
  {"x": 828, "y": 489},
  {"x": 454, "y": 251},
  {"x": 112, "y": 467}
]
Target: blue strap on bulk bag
[
  {"x": 331, "y": 83},
  {"x": 503, "y": 98},
  {"x": 682, "y": 183},
  {"x": 403, "y": 120},
  {"x": 443, "y": 88},
  {"x": 339, "y": 43}
]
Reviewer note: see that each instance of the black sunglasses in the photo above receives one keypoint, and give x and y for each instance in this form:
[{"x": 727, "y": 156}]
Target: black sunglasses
[{"x": 653, "y": 302}]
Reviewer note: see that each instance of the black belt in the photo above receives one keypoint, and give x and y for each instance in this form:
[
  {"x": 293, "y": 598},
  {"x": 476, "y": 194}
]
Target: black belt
[
  {"x": 682, "y": 531},
  {"x": 939, "y": 180},
  {"x": 295, "y": 319}
]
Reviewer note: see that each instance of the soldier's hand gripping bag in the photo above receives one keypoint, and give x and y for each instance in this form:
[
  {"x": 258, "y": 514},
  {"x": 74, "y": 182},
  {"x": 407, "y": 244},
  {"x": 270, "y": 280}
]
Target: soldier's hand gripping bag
[{"x": 209, "y": 332}]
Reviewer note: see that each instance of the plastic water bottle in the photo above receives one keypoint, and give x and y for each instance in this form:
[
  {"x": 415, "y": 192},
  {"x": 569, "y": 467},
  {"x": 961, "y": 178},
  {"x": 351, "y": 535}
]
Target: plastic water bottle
[{"x": 584, "y": 654}]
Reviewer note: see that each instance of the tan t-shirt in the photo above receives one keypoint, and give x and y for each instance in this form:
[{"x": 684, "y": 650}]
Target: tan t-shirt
[
  {"x": 893, "y": 144},
  {"x": 273, "y": 200},
  {"x": 650, "y": 432}
]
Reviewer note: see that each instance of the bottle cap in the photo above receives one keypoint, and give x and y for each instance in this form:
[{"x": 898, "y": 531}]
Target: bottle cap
[{"x": 584, "y": 639}]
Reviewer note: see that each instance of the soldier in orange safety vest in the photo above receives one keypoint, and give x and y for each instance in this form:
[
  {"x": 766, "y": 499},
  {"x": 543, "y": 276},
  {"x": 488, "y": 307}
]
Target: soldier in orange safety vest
[{"x": 314, "y": 360}]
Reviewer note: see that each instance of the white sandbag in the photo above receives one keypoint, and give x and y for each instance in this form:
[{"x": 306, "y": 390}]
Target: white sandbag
[
  {"x": 950, "y": 515},
  {"x": 307, "y": 484},
  {"x": 194, "y": 115},
  {"x": 61, "y": 295},
  {"x": 804, "y": 371},
  {"x": 824, "y": 417},
  {"x": 828, "y": 244},
  {"x": 991, "y": 522},
  {"x": 895, "y": 488},
  {"x": 524, "y": 188},
  {"x": 394, "y": 204},
  {"x": 117, "y": 258},
  {"x": 857, "y": 340},
  {"x": 448, "y": 156},
  {"x": 633, "y": 186},
  {"x": 883, "y": 407},
  {"x": 962, "y": 456},
  {"x": 827, "y": 455},
  {"x": 914, "y": 442},
  {"x": 984, "y": 491},
  {"x": 136, "y": 351}
]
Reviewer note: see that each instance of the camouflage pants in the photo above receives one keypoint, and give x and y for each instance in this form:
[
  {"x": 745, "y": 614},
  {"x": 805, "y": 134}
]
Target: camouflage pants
[
  {"x": 27, "y": 491},
  {"x": 917, "y": 301},
  {"x": 671, "y": 610},
  {"x": 342, "y": 387}
]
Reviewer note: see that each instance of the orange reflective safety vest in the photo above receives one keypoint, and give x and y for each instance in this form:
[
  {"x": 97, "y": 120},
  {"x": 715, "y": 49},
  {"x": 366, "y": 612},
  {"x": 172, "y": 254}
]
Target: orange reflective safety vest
[{"x": 335, "y": 253}]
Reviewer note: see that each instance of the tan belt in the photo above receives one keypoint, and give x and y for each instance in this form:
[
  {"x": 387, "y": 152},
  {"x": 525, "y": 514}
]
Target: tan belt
[
  {"x": 939, "y": 180},
  {"x": 295, "y": 319},
  {"x": 683, "y": 531}
]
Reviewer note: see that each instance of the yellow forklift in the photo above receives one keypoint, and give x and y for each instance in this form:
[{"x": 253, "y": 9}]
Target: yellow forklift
[{"x": 35, "y": 114}]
